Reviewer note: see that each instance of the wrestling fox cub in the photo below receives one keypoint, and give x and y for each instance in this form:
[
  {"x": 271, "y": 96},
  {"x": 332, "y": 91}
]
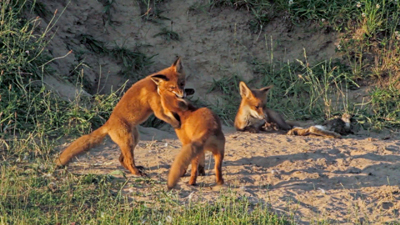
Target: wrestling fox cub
[
  {"x": 253, "y": 114},
  {"x": 200, "y": 131},
  {"x": 137, "y": 104},
  {"x": 332, "y": 128}
]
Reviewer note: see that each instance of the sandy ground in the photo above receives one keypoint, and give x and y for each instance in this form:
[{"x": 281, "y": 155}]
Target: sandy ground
[{"x": 350, "y": 180}]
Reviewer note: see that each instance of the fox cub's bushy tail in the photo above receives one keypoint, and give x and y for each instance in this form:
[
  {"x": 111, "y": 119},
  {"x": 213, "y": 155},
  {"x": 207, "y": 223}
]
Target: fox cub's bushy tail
[{"x": 82, "y": 144}]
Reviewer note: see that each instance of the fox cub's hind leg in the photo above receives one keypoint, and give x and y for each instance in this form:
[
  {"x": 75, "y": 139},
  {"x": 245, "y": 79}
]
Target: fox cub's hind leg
[
  {"x": 298, "y": 131},
  {"x": 126, "y": 140},
  {"x": 202, "y": 159},
  {"x": 313, "y": 130},
  {"x": 135, "y": 136},
  {"x": 322, "y": 132},
  {"x": 218, "y": 153},
  {"x": 195, "y": 170}
]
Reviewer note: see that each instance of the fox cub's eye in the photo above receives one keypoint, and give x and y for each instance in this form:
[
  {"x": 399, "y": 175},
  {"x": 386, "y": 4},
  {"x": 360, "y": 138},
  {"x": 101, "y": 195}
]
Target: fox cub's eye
[
  {"x": 172, "y": 87},
  {"x": 258, "y": 106}
]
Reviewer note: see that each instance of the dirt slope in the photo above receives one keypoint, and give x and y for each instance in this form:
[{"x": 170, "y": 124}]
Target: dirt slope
[{"x": 214, "y": 42}]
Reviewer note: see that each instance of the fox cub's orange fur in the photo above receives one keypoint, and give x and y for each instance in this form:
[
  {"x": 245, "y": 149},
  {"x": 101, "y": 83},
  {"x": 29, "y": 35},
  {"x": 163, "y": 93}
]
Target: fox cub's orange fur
[
  {"x": 200, "y": 131},
  {"x": 253, "y": 114},
  {"x": 137, "y": 104}
]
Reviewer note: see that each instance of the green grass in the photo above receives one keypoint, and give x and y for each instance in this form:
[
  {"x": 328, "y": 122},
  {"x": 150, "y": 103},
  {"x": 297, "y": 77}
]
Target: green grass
[
  {"x": 107, "y": 15},
  {"x": 26, "y": 105},
  {"x": 369, "y": 32},
  {"x": 168, "y": 34},
  {"x": 35, "y": 194},
  {"x": 300, "y": 92},
  {"x": 133, "y": 61},
  {"x": 151, "y": 11}
]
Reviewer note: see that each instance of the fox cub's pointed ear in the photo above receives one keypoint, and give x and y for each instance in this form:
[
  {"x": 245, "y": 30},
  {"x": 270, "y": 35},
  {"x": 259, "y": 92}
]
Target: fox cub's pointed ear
[
  {"x": 158, "y": 78},
  {"x": 189, "y": 91},
  {"x": 266, "y": 89},
  {"x": 178, "y": 65},
  {"x": 244, "y": 90}
]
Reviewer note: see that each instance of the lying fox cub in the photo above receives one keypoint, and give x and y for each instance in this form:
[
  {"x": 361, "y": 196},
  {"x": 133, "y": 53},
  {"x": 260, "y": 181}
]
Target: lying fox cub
[
  {"x": 334, "y": 128},
  {"x": 253, "y": 115}
]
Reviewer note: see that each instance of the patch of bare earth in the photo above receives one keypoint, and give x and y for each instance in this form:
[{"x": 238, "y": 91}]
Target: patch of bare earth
[
  {"x": 349, "y": 180},
  {"x": 214, "y": 42}
]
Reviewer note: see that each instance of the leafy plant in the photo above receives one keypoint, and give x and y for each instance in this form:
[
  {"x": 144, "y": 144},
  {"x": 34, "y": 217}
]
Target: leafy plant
[
  {"x": 133, "y": 61},
  {"x": 168, "y": 34},
  {"x": 226, "y": 109},
  {"x": 151, "y": 11}
]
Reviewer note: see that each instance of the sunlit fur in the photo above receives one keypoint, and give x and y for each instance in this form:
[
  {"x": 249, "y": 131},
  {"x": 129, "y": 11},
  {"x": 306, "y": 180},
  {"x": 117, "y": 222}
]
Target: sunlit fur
[
  {"x": 334, "y": 128},
  {"x": 137, "y": 104},
  {"x": 252, "y": 113},
  {"x": 200, "y": 131}
]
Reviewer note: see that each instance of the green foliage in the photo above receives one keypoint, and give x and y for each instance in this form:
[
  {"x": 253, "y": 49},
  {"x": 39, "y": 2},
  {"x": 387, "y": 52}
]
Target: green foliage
[
  {"x": 229, "y": 87},
  {"x": 36, "y": 194},
  {"x": 299, "y": 91},
  {"x": 370, "y": 46},
  {"x": 25, "y": 104},
  {"x": 107, "y": 16},
  {"x": 151, "y": 11},
  {"x": 168, "y": 34},
  {"x": 262, "y": 10},
  {"x": 335, "y": 13},
  {"x": 386, "y": 107},
  {"x": 133, "y": 61},
  {"x": 20, "y": 49},
  {"x": 22, "y": 63}
]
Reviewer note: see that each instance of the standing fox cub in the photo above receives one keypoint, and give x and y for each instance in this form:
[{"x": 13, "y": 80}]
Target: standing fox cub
[
  {"x": 200, "y": 131},
  {"x": 253, "y": 114},
  {"x": 332, "y": 128},
  {"x": 137, "y": 104}
]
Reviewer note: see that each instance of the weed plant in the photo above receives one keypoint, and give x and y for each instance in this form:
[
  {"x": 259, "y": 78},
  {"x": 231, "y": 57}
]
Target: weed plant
[
  {"x": 27, "y": 108},
  {"x": 370, "y": 37},
  {"x": 36, "y": 195},
  {"x": 168, "y": 34},
  {"x": 132, "y": 60}
]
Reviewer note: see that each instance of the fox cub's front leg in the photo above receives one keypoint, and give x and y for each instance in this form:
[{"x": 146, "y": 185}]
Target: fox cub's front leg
[{"x": 167, "y": 116}]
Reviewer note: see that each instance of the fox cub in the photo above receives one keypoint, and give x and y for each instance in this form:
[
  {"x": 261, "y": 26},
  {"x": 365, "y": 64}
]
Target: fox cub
[
  {"x": 135, "y": 106},
  {"x": 200, "y": 131},
  {"x": 334, "y": 128},
  {"x": 253, "y": 115}
]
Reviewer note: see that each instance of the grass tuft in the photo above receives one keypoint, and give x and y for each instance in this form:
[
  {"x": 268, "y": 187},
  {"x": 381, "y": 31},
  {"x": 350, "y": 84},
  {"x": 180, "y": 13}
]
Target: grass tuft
[
  {"x": 35, "y": 193},
  {"x": 168, "y": 34},
  {"x": 369, "y": 45}
]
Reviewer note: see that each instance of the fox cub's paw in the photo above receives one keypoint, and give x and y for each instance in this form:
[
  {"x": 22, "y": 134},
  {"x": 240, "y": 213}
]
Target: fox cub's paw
[
  {"x": 270, "y": 126},
  {"x": 252, "y": 129}
]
